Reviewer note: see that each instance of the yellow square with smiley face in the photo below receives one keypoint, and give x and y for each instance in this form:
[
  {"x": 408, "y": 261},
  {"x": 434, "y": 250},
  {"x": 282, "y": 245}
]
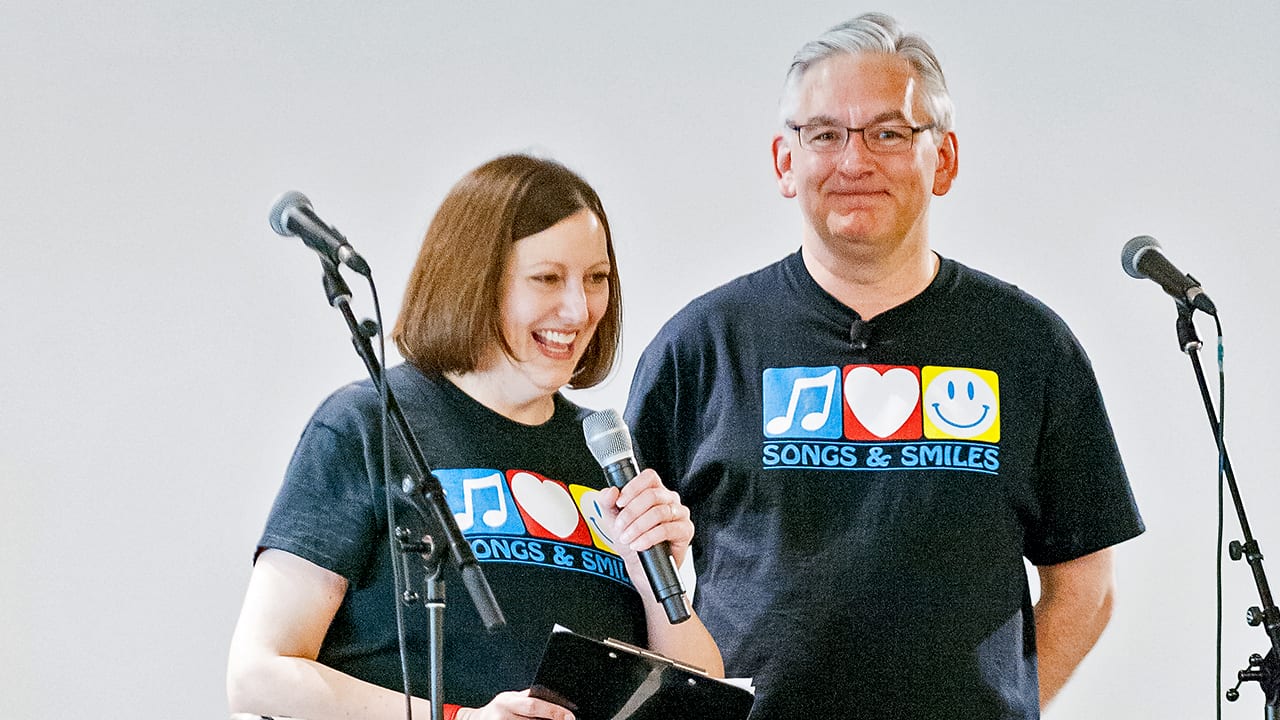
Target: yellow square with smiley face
[{"x": 960, "y": 403}]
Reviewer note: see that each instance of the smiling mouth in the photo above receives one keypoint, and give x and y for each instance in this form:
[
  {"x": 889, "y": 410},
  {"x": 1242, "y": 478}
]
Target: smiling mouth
[
  {"x": 860, "y": 197},
  {"x": 556, "y": 343},
  {"x": 600, "y": 531},
  {"x": 937, "y": 410}
]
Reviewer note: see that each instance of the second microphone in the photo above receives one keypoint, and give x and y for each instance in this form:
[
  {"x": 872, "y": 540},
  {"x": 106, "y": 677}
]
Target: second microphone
[{"x": 610, "y": 443}]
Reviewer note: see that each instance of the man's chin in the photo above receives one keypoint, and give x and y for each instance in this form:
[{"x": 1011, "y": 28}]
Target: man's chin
[{"x": 855, "y": 231}]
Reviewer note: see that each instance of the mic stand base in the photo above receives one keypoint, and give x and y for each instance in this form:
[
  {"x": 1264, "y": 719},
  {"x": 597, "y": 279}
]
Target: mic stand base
[{"x": 433, "y": 599}]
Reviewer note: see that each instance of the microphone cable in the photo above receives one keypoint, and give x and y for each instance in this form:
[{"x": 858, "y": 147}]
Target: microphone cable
[
  {"x": 1222, "y": 480},
  {"x": 400, "y": 583}
]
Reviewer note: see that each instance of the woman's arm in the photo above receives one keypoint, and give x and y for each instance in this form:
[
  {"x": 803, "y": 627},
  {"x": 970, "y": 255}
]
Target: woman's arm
[
  {"x": 272, "y": 669},
  {"x": 648, "y": 513}
]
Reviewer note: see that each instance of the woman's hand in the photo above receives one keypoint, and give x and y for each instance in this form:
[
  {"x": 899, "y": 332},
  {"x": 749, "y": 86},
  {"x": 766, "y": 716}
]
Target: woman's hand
[
  {"x": 639, "y": 516},
  {"x": 645, "y": 513},
  {"x": 515, "y": 706}
]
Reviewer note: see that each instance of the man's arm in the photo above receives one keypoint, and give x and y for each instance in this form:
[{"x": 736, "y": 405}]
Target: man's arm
[{"x": 1075, "y": 605}]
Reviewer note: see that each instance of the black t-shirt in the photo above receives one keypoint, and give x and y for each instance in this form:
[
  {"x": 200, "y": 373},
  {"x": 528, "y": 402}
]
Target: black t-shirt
[
  {"x": 864, "y": 493},
  {"x": 523, "y": 497}
]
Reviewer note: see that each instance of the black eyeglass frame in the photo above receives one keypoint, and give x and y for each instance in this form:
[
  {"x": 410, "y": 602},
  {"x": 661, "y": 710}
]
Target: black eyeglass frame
[{"x": 911, "y": 141}]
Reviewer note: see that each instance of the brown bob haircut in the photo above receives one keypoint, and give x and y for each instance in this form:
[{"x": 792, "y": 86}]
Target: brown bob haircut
[{"x": 451, "y": 317}]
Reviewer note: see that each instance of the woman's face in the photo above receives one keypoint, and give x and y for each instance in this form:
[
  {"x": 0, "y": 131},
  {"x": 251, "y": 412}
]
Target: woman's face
[{"x": 555, "y": 290}]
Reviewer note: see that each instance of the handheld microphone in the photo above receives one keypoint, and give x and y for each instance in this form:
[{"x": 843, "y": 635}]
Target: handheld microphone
[
  {"x": 1142, "y": 258},
  {"x": 291, "y": 214},
  {"x": 610, "y": 443}
]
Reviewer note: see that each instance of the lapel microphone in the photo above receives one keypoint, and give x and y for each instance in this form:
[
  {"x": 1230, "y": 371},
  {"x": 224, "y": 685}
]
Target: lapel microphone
[{"x": 858, "y": 334}]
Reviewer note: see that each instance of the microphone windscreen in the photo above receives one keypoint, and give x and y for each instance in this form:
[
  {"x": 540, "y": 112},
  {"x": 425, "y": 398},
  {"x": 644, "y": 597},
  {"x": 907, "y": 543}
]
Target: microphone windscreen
[
  {"x": 1132, "y": 250},
  {"x": 287, "y": 201},
  {"x": 607, "y": 436}
]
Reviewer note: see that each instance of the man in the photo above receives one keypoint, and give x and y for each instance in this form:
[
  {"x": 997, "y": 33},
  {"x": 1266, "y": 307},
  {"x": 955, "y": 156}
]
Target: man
[{"x": 871, "y": 437}]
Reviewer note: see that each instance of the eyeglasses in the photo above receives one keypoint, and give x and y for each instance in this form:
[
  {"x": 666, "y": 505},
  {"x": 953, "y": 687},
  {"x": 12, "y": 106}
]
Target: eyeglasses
[{"x": 884, "y": 139}]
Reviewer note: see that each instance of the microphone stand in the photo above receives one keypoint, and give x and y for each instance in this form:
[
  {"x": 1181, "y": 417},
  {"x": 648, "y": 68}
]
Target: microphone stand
[
  {"x": 426, "y": 495},
  {"x": 1263, "y": 670},
  {"x": 432, "y": 598}
]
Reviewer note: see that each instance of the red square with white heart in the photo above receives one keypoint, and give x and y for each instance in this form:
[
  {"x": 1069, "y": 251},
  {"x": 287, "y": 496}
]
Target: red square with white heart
[
  {"x": 548, "y": 508},
  {"x": 882, "y": 402}
]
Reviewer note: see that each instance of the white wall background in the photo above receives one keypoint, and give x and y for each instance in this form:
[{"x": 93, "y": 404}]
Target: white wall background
[{"x": 162, "y": 348}]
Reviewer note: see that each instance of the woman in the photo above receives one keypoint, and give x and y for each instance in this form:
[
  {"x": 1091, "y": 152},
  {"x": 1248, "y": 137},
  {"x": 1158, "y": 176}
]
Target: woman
[{"x": 514, "y": 295}]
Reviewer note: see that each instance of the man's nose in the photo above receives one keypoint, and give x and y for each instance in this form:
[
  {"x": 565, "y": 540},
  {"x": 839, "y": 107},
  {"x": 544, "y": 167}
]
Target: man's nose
[{"x": 855, "y": 154}]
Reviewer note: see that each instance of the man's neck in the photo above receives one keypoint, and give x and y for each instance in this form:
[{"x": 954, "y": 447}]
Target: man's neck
[{"x": 873, "y": 282}]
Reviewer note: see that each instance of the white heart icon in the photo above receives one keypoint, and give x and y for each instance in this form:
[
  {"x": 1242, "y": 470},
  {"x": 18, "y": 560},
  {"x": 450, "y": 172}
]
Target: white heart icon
[
  {"x": 882, "y": 403},
  {"x": 547, "y": 502}
]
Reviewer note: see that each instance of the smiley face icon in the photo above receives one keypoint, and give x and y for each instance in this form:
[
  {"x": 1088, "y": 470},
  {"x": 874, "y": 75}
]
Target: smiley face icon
[{"x": 961, "y": 403}]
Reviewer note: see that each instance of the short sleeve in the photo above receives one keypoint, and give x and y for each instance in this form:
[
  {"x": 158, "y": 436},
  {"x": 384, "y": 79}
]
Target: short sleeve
[
  {"x": 1085, "y": 502},
  {"x": 324, "y": 511},
  {"x": 651, "y": 413}
]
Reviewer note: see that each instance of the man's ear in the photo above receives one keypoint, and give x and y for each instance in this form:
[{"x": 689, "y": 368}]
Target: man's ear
[
  {"x": 782, "y": 166},
  {"x": 948, "y": 164}
]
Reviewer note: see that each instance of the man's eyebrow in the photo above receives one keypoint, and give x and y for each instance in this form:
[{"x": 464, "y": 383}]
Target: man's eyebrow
[
  {"x": 894, "y": 115},
  {"x": 884, "y": 117},
  {"x": 823, "y": 120}
]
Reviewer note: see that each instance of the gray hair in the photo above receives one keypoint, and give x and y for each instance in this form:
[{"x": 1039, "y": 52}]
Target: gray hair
[{"x": 875, "y": 33}]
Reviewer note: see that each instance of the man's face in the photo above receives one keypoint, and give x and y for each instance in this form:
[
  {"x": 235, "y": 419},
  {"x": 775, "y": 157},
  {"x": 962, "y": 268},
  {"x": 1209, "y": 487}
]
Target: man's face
[{"x": 873, "y": 201}]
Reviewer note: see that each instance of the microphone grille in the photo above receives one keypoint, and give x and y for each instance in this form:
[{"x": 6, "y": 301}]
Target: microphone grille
[
  {"x": 607, "y": 436},
  {"x": 279, "y": 215},
  {"x": 1132, "y": 250}
]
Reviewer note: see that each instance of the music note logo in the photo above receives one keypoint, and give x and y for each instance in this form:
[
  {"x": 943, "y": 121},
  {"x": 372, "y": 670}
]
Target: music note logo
[
  {"x": 479, "y": 493},
  {"x": 805, "y": 392},
  {"x": 492, "y": 518}
]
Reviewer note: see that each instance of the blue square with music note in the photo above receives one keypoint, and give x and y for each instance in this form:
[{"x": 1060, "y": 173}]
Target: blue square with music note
[
  {"x": 802, "y": 402},
  {"x": 481, "y": 501}
]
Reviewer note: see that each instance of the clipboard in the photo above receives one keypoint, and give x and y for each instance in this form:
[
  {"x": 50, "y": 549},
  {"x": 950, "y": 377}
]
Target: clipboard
[{"x": 612, "y": 680}]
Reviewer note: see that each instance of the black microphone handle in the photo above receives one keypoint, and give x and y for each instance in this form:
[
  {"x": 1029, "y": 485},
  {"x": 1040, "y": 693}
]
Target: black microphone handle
[
  {"x": 658, "y": 564},
  {"x": 1182, "y": 287},
  {"x": 324, "y": 239}
]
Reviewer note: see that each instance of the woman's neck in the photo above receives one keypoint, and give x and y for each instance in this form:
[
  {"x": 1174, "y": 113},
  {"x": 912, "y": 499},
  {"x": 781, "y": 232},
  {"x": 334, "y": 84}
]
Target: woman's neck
[{"x": 495, "y": 391}]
